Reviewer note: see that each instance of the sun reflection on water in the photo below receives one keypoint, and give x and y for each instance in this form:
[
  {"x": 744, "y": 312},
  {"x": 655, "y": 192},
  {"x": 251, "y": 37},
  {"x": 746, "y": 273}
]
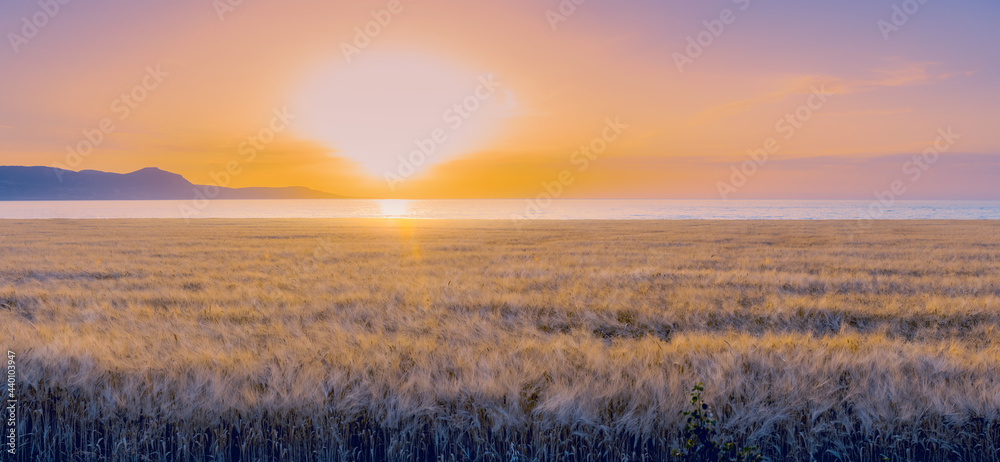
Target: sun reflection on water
[{"x": 394, "y": 208}]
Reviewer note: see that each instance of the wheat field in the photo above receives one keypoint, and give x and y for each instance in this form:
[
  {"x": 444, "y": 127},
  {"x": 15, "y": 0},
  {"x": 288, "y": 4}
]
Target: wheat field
[{"x": 464, "y": 340}]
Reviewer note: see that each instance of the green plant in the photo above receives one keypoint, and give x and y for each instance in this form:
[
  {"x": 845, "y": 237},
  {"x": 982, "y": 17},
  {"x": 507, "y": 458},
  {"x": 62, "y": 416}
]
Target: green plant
[{"x": 701, "y": 439}]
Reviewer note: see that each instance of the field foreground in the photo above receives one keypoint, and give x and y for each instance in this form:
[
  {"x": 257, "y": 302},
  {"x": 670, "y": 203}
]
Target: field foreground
[{"x": 395, "y": 340}]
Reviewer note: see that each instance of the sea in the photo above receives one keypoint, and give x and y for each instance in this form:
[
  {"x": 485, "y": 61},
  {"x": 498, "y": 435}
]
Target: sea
[{"x": 509, "y": 209}]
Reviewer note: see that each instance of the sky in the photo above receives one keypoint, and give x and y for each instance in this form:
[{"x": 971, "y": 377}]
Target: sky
[{"x": 697, "y": 99}]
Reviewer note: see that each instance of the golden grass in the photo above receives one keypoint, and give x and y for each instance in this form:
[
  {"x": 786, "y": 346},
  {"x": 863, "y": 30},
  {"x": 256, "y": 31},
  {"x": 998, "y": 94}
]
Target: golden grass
[{"x": 373, "y": 340}]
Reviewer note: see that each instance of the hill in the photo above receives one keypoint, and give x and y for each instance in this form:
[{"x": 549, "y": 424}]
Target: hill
[{"x": 52, "y": 184}]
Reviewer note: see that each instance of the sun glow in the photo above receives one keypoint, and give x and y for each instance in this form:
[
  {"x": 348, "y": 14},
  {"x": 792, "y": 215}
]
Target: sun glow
[
  {"x": 394, "y": 208},
  {"x": 382, "y": 107}
]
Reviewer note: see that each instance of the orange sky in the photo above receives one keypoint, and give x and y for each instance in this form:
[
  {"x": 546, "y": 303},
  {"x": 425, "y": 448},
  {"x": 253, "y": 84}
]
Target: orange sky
[{"x": 530, "y": 95}]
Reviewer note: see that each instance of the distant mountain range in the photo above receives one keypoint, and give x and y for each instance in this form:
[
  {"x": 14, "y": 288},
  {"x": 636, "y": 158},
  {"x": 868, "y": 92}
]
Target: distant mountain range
[{"x": 51, "y": 184}]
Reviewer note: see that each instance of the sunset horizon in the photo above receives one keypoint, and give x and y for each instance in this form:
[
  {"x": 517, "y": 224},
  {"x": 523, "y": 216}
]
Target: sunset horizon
[{"x": 974, "y": 192}]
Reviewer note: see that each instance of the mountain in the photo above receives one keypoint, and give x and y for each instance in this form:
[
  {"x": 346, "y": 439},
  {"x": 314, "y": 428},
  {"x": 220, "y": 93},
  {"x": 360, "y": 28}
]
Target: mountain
[{"x": 52, "y": 184}]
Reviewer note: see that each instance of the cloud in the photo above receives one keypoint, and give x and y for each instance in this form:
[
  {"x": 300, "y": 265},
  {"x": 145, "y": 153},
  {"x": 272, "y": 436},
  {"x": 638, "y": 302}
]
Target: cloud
[
  {"x": 871, "y": 113},
  {"x": 902, "y": 74},
  {"x": 898, "y": 73}
]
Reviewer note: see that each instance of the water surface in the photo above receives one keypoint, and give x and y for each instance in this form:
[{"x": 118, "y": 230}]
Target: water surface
[{"x": 508, "y": 209}]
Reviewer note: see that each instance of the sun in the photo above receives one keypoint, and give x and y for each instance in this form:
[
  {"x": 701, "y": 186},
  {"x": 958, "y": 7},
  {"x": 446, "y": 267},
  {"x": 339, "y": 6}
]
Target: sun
[{"x": 382, "y": 107}]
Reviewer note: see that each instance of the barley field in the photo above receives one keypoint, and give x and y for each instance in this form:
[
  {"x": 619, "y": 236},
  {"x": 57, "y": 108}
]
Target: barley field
[{"x": 374, "y": 340}]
